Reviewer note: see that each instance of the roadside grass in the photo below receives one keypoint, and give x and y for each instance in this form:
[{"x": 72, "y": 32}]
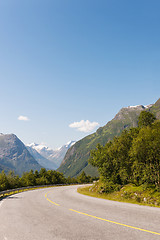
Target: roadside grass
[{"x": 130, "y": 193}]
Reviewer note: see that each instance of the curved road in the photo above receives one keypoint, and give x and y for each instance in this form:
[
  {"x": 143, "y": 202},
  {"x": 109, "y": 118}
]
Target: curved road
[{"x": 62, "y": 213}]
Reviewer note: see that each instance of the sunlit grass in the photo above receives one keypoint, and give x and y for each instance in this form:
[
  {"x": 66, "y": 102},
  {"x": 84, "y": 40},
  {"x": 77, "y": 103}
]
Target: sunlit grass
[{"x": 128, "y": 194}]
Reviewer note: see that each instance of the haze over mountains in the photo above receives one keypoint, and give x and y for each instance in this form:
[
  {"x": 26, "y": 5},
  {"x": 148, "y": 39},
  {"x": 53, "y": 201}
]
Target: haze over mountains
[
  {"x": 76, "y": 158},
  {"x": 48, "y": 157}
]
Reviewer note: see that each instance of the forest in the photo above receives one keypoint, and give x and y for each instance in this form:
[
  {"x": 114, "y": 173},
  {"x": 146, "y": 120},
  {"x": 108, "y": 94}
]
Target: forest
[
  {"x": 43, "y": 177},
  {"x": 131, "y": 158}
]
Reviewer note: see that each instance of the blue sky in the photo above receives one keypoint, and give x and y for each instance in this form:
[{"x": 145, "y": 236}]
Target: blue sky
[{"x": 66, "y": 61}]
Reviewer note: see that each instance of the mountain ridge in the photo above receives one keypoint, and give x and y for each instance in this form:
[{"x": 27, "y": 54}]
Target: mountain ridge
[
  {"x": 15, "y": 156},
  {"x": 76, "y": 158}
]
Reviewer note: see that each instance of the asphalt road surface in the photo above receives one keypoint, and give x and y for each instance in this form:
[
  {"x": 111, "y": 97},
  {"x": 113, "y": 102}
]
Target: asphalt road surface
[{"x": 62, "y": 213}]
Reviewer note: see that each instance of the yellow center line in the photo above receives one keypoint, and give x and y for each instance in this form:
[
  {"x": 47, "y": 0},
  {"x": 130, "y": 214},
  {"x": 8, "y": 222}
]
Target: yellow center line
[
  {"x": 50, "y": 200},
  {"x": 121, "y": 224},
  {"x": 103, "y": 219}
]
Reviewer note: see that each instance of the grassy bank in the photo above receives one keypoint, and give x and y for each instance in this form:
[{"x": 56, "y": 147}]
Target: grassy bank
[{"x": 141, "y": 195}]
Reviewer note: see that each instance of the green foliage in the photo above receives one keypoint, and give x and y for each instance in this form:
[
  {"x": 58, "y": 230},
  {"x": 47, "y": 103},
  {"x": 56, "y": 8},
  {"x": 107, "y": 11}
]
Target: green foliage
[
  {"x": 28, "y": 179},
  {"x": 145, "y": 153},
  {"x": 3, "y": 181},
  {"x": 13, "y": 180},
  {"x": 70, "y": 180},
  {"x": 112, "y": 160},
  {"x": 146, "y": 119},
  {"x": 43, "y": 177},
  {"x": 133, "y": 157},
  {"x": 83, "y": 178}
]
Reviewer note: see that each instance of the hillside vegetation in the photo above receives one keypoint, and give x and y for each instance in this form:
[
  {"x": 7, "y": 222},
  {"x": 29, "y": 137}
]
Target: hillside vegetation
[
  {"x": 76, "y": 158},
  {"x": 133, "y": 157},
  {"x": 129, "y": 165},
  {"x": 38, "y": 178}
]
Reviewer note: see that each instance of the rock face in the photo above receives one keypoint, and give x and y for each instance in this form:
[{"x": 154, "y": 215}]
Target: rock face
[
  {"x": 15, "y": 156},
  {"x": 76, "y": 158}
]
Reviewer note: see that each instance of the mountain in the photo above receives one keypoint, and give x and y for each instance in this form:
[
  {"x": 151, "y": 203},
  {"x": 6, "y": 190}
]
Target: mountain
[
  {"x": 76, "y": 158},
  {"x": 15, "y": 156},
  {"x": 155, "y": 109},
  {"x": 40, "y": 159},
  {"x": 48, "y": 157}
]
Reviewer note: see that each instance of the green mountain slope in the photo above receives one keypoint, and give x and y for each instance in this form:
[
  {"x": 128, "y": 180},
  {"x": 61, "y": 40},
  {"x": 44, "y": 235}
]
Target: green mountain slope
[
  {"x": 155, "y": 109},
  {"x": 76, "y": 158},
  {"x": 15, "y": 156}
]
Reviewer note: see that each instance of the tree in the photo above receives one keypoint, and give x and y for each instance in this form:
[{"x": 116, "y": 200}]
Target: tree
[
  {"x": 13, "y": 180},
  {"x": 3, "y": 181},
  {"x": 83, "y": 178},
  {"x": 28, "y": 179},
  {"x": 146, "y": 119},
  {"x": 70, "y": 180},
  {"x": 113, "y": 160},
  {"x": 145, "y": 153}
]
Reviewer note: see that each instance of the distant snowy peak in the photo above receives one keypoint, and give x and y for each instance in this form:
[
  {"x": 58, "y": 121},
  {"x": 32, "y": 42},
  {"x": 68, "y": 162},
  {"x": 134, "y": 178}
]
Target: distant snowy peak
[
  {"x": 40, "y": 147},
  {"x": 55, "y": 156},
  {"x": 136, "y": 106},
  {"x": 67, "y": 146},
  {"x": 140, "y": 106},
  {"x": 130, "y": 110},
  {"x": 148, "y": 106}
]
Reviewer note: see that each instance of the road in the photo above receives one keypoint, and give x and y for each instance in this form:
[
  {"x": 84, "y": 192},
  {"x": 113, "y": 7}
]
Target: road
[{"x": 61, "y": 213}]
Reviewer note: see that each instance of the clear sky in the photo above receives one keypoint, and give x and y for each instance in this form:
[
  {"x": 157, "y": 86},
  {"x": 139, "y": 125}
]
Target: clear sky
[{"x": 63, "y": 62}]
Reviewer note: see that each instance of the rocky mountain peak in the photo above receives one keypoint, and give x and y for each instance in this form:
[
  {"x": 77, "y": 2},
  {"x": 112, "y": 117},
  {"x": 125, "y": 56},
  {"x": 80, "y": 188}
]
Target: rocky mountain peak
[
  {"x": 130, "y": 110},
  {"x": 15, "y": 156}
]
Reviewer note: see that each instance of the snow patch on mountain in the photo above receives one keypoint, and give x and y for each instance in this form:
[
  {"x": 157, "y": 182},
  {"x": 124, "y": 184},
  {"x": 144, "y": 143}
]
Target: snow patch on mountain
[
  {"x": 134, "y": 106},
  {"x": 54, "y": 156},
  {"x": 140, "y": 106},
  {"x": 148, "y": 106}
]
